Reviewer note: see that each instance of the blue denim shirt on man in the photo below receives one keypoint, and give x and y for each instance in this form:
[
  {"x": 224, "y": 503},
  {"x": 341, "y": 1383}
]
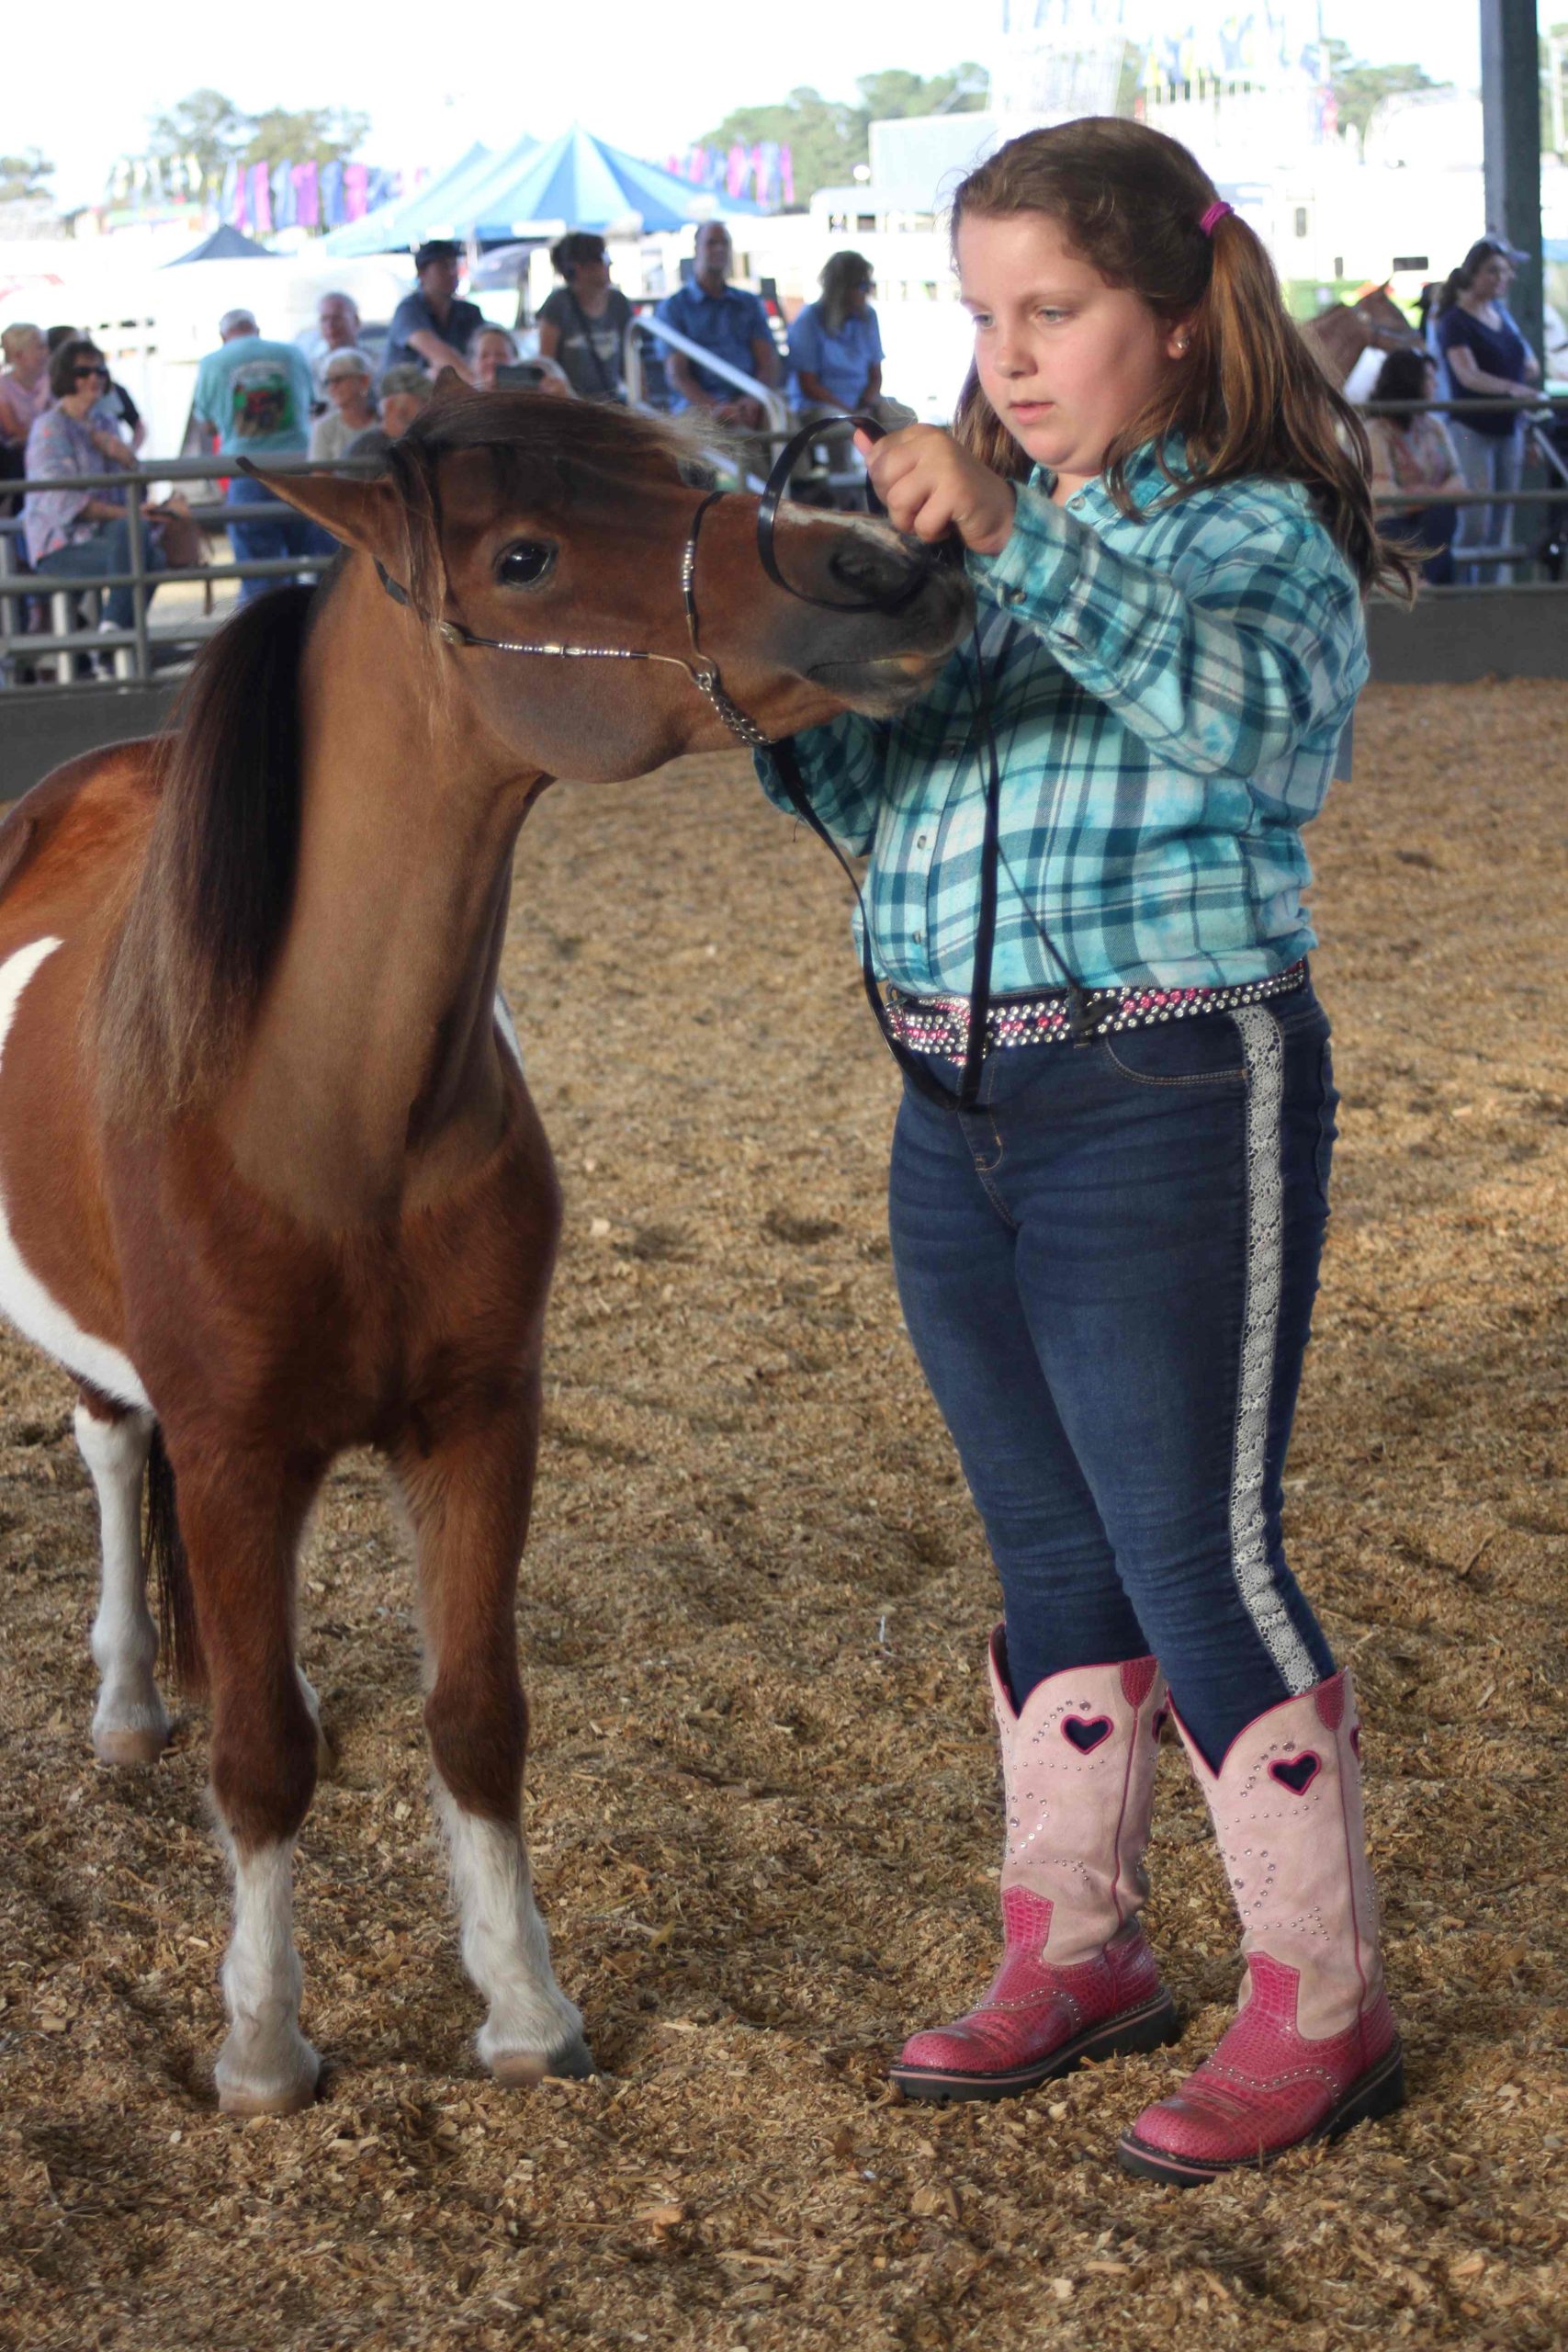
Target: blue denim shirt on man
[{"x": 726, "y": 323}]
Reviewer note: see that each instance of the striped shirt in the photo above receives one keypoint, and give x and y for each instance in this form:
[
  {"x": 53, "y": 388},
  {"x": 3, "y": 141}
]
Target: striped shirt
[{"x": 1167, "y": 696}]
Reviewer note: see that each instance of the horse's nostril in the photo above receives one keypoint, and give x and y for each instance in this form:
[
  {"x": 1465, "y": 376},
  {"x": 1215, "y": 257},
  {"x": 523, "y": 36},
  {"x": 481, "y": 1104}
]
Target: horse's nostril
[{"x": 877, "y": 571}]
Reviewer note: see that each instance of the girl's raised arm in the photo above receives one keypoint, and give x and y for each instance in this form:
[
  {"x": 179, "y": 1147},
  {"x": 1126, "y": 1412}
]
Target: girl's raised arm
[{"x": 1249, "y": 648}]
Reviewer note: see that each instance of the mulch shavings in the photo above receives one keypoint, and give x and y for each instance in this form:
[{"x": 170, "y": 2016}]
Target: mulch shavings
[{"x": 762, "y": 1792}]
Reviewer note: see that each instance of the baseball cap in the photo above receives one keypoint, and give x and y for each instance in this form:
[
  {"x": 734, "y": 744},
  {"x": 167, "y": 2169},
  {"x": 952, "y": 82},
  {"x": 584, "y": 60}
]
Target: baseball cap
[{"x": 436, "y": 249}]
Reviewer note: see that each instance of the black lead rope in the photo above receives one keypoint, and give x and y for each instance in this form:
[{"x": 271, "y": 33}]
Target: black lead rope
[{"x": 949, "y": 551}]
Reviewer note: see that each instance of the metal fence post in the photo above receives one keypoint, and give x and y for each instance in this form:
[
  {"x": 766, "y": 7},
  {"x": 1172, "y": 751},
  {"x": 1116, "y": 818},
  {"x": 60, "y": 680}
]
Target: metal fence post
[{"x": 142, "y": 669}]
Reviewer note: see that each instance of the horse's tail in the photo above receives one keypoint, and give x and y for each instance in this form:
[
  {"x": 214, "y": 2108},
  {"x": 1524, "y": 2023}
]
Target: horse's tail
[{"x": 163, "y": 1552}]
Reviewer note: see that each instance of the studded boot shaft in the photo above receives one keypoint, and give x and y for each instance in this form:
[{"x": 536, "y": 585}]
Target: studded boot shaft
[
  {"x": 1077, "y": 1979},
  {"x": 1313, "y": 2048}
]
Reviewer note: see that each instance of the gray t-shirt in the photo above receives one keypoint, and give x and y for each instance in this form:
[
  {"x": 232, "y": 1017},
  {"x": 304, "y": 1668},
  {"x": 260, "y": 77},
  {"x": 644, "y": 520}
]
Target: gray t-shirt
[{"x": 590, "y": 351}]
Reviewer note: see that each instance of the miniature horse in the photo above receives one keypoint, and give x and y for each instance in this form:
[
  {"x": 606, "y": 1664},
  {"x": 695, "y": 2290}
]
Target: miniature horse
[{"x": 271, "y": 1184}]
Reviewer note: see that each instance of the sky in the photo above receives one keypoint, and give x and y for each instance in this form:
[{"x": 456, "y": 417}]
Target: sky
[{"x": 506, "y": 68}]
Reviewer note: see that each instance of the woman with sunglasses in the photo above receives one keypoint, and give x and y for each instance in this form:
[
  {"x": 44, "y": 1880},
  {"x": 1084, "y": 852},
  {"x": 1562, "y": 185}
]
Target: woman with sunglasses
[{"x": 74, "y": 534}]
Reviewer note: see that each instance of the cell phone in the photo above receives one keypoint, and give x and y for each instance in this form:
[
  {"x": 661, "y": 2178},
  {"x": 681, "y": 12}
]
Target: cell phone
[{"x": 521, "y": 376}]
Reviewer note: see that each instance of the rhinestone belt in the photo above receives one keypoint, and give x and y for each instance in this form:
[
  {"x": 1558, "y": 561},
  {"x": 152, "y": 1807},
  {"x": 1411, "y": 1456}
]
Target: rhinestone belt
[{"x": 940, "y": 1024}]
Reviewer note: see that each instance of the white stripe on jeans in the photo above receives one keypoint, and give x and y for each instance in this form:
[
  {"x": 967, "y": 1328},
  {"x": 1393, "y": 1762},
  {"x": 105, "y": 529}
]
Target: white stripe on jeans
[{"x": 1260, "y": 1595}]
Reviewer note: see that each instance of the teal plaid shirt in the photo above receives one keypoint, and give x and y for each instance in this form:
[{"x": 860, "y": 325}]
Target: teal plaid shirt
[{"x": 1167, "y": 696}]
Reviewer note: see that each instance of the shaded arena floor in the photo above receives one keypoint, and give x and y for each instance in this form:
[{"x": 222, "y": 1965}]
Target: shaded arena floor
[{"x": 761, "y": 1791}]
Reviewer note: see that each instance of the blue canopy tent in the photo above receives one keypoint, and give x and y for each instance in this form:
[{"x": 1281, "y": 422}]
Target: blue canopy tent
[
  {"x": 581, "y": 182},
  {"x": 433, "y": 211}
]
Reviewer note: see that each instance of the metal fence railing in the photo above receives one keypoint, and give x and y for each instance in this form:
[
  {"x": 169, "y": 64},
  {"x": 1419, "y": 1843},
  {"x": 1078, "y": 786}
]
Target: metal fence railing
[{"x": 76, "y": 647}]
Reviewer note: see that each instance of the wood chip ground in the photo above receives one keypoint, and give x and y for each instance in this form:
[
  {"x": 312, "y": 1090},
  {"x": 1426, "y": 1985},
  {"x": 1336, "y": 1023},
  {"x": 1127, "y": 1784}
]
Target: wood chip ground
[{"x": 761, "y": 1790}]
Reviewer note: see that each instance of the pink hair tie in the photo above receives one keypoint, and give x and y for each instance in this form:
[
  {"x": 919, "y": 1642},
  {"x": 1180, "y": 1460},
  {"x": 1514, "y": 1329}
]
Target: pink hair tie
[{"x": 1215, "y": 213}]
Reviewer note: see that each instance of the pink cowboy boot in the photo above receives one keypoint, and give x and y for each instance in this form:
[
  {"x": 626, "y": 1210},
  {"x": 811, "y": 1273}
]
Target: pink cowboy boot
[
  {"x": 1313, "y": 2048},
  {"x": 1077, "y": 1979}
]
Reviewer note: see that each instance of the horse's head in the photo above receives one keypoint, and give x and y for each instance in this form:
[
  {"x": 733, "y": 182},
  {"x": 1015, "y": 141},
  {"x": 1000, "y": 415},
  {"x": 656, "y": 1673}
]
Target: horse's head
[{"x": 509, "y": 516}]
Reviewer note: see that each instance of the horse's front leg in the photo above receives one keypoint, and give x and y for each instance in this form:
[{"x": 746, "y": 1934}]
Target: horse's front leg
[
  {"x": 240, "y": 1518},
  {"x": 129, "y": 1724},
  {"x": 468, "y": 1496}
]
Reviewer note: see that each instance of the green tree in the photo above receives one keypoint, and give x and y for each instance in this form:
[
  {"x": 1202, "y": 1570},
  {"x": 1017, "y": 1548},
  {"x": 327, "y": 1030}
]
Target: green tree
[
  {"x": 313, "y": 135},
  {"x": 24, "y": 176},
  {"x": 1359, "y": 89},
  {"x": 827, "y": 137},
  {"x": 205, "y": 124}
]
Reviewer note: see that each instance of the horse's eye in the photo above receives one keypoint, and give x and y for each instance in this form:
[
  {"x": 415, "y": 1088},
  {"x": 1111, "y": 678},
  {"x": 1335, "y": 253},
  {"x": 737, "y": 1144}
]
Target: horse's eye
[{"x": 525, "y": 565}]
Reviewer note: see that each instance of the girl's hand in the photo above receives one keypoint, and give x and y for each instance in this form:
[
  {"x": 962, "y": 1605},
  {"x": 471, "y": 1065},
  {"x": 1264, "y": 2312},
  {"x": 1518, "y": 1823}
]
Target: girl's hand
[{"x": 930, "y": 486}]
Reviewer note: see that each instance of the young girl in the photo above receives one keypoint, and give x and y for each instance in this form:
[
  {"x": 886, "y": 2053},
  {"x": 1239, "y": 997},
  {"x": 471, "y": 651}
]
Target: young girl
[{"x": 1106, "y": 1264}]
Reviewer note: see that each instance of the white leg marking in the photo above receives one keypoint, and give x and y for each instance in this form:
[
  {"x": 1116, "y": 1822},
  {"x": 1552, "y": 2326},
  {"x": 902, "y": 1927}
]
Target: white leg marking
[
  {"x": 532, "y": 2029},
  {"x": 266, "y": 2066},
  {"x": 326, "y": 1759},
  {"x": 23, "y": 1297},
  {"x": 130, "y": 1725},
  {"x": 508, "y": 1028}
]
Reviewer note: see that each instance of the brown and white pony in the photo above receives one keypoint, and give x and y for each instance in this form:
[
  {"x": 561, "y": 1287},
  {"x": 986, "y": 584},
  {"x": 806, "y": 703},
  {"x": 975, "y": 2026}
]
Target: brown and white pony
[{"x": 271, "y": 1184}]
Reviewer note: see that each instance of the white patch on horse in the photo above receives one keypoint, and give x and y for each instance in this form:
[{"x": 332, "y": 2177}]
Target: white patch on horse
[
  {"x": 532, "y": 2028},
  {"x": 23, "y": 1298},
  {"x": 129, "y": 1725},
  {"x": 266, "y": 2066},
  {"x": 864, "y": 526},
  {"x": 508, "y": 1028}
]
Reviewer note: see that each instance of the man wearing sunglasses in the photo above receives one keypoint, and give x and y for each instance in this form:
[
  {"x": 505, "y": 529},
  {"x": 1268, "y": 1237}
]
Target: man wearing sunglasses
[{"x": 74, "y": 534}]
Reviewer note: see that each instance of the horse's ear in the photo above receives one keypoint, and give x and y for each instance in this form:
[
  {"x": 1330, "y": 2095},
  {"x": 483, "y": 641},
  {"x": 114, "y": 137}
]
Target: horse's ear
[{"x": 363, "y": 515}]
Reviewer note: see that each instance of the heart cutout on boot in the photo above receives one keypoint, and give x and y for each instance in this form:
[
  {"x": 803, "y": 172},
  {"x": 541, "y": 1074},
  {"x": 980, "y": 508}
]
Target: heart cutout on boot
[
  {"x": 1299, "y": 1774},
  {"x": 1086, "y": 1736}
]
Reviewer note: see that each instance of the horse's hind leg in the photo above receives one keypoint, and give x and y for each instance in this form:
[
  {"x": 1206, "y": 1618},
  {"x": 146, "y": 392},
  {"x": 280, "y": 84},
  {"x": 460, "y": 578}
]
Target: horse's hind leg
[
  {"x": 241, "y": 1521},
  {"x": 469, "y": 1499},
  {"x": 129, "y": 1725}
]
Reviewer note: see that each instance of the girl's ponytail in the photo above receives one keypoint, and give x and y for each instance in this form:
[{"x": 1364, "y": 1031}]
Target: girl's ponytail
[{"x": 1248, "y": 398}]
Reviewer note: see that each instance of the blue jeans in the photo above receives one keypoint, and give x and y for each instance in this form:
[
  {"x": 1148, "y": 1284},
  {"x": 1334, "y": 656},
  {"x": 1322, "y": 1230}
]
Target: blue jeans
[
  {"x": 100, "y": 557},
  {"x": 270, "y": 533},
  {"x": 1489, "y": 461},
  {"x": 1108, "y": 1271}
]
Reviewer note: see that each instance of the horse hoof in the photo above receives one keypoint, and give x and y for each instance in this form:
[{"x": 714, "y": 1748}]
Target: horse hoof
[
  {"x": 524, "y": 2070},
  {"x": 245, "y": 2104},
  {"x": 120, "y": 1749}
]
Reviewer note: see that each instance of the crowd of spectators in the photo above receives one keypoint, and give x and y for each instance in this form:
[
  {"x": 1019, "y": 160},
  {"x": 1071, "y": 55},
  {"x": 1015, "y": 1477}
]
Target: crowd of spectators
[{"x": 61, "y": 415}]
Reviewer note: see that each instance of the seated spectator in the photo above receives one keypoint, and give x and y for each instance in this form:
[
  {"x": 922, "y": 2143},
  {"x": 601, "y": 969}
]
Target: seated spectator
[
  {"x": 337, "y": 329},
  {"x": 430, "y": 327},
  {"x": 24, "y": 392},
  {"x": 255, "y": 396},
  {"x": 727, "y": 321},
  {"x": 584, "y": 323},
  {"x": 83, "y": 534},
  {"x": 1412, "y": 451},
  {"x": 493, "y": 349},
  {"x": 116, "y": 410},
  {"x": 835, "y": 343},
  {"x": 489, "y": 349},
  {"x": 351, "y": 406},
  {"x": 404, "y": 392}
]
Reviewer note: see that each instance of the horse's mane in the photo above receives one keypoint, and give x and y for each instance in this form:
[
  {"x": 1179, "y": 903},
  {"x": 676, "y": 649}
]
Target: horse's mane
[{"x": 209, "y": 908}]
